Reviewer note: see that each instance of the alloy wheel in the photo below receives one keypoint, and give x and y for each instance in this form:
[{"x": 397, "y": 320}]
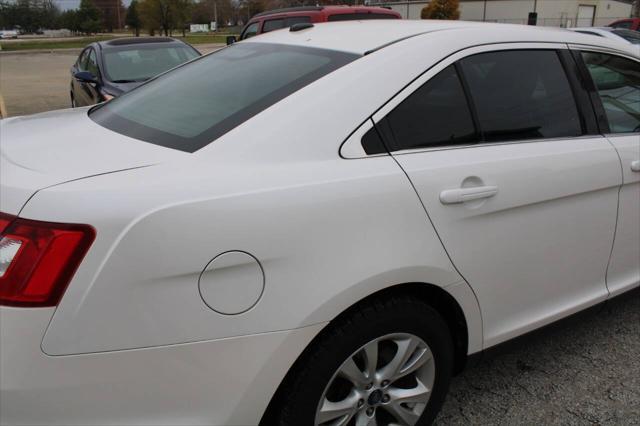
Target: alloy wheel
[{"x": 387, "y": 381}]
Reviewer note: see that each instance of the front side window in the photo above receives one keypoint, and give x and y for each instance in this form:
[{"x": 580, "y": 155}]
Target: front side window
[
  {"x": 250, "y": 31},
  {"x": 191, "y": 106},
  {"x": 521, "y": 94},
  {"x": 143, "y": 62},
  {"x": 82, "y": 60},
  {"x": 92, "y": 63},
  {"x": 618, "y": 83},
  {"x": 434, "y": 115}
]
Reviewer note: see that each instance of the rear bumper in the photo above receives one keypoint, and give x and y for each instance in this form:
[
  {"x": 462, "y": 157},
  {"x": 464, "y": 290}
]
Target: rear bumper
[{"x": 220, "y": 382}]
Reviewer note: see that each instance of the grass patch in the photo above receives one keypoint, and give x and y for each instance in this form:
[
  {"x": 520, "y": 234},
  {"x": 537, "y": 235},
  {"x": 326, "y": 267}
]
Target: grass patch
[{"x": 44, "y": 44}]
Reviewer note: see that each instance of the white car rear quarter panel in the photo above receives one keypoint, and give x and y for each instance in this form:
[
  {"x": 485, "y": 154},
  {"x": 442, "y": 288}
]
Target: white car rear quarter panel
[{"x": 222, "y": 382}]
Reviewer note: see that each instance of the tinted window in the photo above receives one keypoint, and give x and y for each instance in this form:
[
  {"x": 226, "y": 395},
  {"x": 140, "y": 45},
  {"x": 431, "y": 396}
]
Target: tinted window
[
  {"x": 82, "y": 60},
  {"x": 360, "y": 16},
  {"x": 250, "y": 31},
  {"x": 298, "y": 20},
  {"x": 92, "y": 63},
  {"x": 624, "y": 24},
  {"x": 435, "y": 114},
  {"x": 143, "y": 62},
  {"x": 274, "y": 24},
  {"x": 618, "y": 83},
  {"x": 521, "y": 95},
  {"x": 193, "y": 105}
]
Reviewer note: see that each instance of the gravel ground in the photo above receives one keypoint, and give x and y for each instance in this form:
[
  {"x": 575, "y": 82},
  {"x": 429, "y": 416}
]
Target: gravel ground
[{"x": 584, "y": 372}]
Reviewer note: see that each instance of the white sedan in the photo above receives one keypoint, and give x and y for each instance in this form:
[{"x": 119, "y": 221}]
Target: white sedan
[{"x": 318, "y": 226}]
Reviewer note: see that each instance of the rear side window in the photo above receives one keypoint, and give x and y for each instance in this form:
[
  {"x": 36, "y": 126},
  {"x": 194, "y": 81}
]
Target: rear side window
[
  {"x": 436, "y": 114},
  {"x": 297, "y": 20},
  {"x": 276, "y": 24},
  {"x": 190, "y": 106},
  {"x": 360, "y": 16},
  {"x": 618, "y": 83},
  {"x": 273, "y": 24},
  {"x": 521, "y": 94}
]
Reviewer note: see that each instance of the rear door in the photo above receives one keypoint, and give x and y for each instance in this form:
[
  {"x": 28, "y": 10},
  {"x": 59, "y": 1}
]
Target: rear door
[
  {"x": 617, "y": 87},
  {"x": 521, "y": 190}
]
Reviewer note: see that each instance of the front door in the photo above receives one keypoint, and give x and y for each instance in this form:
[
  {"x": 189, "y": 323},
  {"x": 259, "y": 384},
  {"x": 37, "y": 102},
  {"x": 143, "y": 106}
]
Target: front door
[{"x": 523, "y": 198}]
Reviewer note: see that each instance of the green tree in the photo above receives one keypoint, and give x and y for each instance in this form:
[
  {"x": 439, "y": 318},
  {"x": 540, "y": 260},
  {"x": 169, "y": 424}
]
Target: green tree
[
  {"x": 165, "y": 15},
  {"x": 133, "y": 20},
  {"x": 441, "y": 9},
  {"x": 89, "y": 17},
  {"x": 29, "y": 15},
  {"x": 69, "y": 20}
]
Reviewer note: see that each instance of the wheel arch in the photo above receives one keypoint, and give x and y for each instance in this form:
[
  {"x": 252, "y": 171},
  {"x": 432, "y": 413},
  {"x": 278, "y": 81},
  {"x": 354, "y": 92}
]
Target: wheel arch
[{"x": 436, "y": 297}]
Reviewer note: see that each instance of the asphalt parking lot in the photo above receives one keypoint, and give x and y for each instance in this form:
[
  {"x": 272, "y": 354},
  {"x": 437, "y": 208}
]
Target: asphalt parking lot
[
  {"x": 37, "y": 82},
  {"x": 585, "y": 372}
]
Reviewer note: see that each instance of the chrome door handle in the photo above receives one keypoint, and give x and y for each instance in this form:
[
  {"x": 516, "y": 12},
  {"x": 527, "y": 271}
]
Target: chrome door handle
[
  {"x": 460, "y": 195},
  {"x": 635, "y": 166}
]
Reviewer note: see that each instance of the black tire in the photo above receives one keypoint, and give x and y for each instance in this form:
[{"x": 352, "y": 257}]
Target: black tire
[{"x": 305, "y": 384}]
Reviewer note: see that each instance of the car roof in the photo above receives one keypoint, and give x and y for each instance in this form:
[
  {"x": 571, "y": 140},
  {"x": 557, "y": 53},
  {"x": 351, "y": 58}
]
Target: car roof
[
  {"x": 362, "y": 37},
  {"x": 130, "y": 41},
  {"x": 328, "y": 8}
]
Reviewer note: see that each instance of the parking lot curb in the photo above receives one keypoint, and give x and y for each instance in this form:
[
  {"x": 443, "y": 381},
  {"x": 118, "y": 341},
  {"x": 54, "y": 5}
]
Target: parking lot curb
[{"x": 27, "y": 51}]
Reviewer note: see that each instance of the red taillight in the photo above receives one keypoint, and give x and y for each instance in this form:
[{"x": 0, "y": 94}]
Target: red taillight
[{"x": 38, "y": 259}]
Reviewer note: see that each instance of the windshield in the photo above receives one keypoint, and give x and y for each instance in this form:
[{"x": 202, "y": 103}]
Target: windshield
[
  {"x": 140, "y": 63},
  {"x": 189, "y": 107}
]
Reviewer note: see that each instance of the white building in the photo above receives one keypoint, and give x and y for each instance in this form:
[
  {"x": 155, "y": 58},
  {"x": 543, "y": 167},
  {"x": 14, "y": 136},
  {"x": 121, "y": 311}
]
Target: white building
[{"x": 557, "y": 13}]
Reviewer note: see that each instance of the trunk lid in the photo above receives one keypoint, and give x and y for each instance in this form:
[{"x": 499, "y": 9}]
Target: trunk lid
[{"x": 48, "y": 149}]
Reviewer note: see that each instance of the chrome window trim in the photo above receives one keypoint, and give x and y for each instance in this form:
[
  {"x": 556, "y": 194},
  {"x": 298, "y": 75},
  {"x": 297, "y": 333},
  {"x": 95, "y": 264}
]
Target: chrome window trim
[
  {"x": 352, "y": 148},
  {"x": 489, "y": 144}
]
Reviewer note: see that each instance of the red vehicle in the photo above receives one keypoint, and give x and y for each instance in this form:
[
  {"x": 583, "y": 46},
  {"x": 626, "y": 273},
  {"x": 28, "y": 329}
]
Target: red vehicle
[
  {"x": 630, "y": 24},
  {"x": 284, "y": 18}
]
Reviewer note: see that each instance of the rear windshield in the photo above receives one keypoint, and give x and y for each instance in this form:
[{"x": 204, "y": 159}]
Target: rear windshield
[
  {"x": 142, "y": 63},
  {"x": 195, "y": 104}
]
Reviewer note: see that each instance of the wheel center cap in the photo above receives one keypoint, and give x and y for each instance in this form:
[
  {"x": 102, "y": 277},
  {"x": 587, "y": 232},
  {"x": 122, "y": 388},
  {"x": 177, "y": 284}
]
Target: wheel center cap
[{"x": 375, "y": 397}]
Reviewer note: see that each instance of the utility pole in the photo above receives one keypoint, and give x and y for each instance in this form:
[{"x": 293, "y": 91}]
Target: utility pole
[
  {"x": 635, "y": 12},
  {"x": 215, "y": 13},
  {"x": 484, "y": 11},
  {"x": 118, "y": 13}
]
